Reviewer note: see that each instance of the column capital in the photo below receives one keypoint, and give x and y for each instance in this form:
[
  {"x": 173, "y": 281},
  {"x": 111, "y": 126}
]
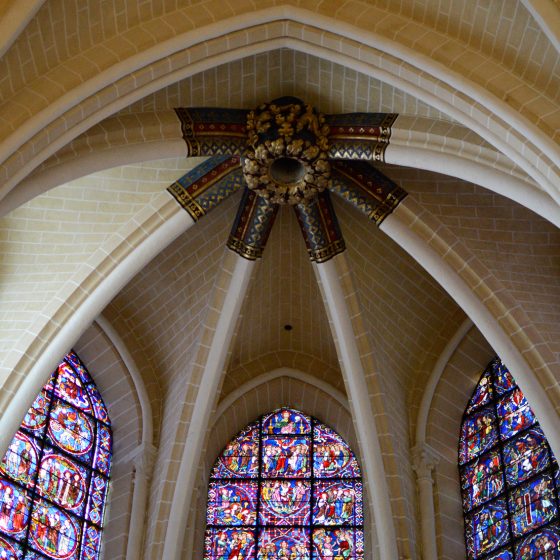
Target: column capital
[
  {"x": 143, "y": 458},
  {"x": 424, "y": 460}
]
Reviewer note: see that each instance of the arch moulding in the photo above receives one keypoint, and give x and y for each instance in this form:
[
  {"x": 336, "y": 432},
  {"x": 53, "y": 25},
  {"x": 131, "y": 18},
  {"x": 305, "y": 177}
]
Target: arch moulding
[
  {"x": 127, "y": 139},
  {"x": 115, "y": 87}
]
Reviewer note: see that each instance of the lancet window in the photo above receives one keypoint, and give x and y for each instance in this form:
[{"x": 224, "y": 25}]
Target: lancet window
[
  {"x": 286, "y": 487},
  {"x": 55, "y": 475},
  {"x": 509, "y": 476}
]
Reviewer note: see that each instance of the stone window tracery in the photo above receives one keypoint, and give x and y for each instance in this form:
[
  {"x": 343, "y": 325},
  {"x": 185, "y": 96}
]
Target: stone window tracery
[
  {"x": 286, "y": 487},
  {"x": 509, "y": 476},
  {"x": 54, "y": 477}
]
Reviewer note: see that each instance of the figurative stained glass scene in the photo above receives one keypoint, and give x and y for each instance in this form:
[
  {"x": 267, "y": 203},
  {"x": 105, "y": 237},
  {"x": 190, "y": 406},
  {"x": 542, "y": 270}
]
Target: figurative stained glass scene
[
  {"x": 54, "y": 476},
  {"x": 287, "y": 487},
  {"x": 509, "y": 476}
]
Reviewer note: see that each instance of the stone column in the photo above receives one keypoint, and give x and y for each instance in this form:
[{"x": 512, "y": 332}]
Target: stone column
[
  {"x": 143, "y": 462},
  {"x": 424, "y": 462},
  {"x": 340, "y": 315}
]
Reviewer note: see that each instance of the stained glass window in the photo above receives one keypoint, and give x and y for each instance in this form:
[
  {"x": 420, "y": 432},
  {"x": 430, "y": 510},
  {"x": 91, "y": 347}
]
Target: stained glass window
[
  {"x": 509, "y": 476},
  {"x": 55, "y": 475},
  {"x": 287, "y": 487}
]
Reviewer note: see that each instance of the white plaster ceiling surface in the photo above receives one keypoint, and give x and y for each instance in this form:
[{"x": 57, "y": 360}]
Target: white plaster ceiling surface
[
  {"x": 164, "y": 305},
  {"x": 43, "y": 242},
  {"x": 520, "y": 248},
  {"x": 256, "y": 79},
  {"x": 283, "y": 292}
]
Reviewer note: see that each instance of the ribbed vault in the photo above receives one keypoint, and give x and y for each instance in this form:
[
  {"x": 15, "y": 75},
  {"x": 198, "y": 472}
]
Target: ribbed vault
[{"x": 476, "y": 89}]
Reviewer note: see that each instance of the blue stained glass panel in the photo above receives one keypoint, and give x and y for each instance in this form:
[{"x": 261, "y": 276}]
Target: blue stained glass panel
[
  {"x": 482, "y": 480},
  {"x": 10, "y": 550},
  {"x": 503, "y": 381},
  {"x": 520, "y": 456},
  {"x": 71, "y": 430},
  {"x": 97, "y": 496},
  {"x": 301, "y": 462},
  {"x": 283, "y": 543},
  {"x": 478, "y": 433},
  {"x": 54, "y": 532},
  {"x": 31, "y": 555},
  {"x": 21, "y": 459},
  {"x": 98, "y": 406},
  {"x": 51, "y": 382},
  {"x": 332, "y": 457},
  {"x": 544, "y": 544},
  {"x": 503, "y": 555},
  {"x": 338, "y": 503},
  {"x": 515, "y": 414},
  {"x": 70, "y": 388},
  {"x": 525, "y": 456},
  {"x": 77, "y": 365},
  {"x": 338, "y": 543},
  {"x": 52, "y": 456},
  {"x": 63, "y": 481},
  {"x": 102, "y": 461},
  {"x": 284, "y": 456},
  {"x": 285, "y": 502},
  {"x": 240, "y": 458},
  {"x": 482, "y": 394},
  {"x": 232, "y": 503},
  {"x": 91, "y": 543},
  {"x": 36, "y": 418},
  {"x": 226, "y": 544},
  {"x": 286, "y": 421},
  {"x": 14, "y": 513},
  {"x": 532, "y": 504},
  {"x": 486, "y": 528}
]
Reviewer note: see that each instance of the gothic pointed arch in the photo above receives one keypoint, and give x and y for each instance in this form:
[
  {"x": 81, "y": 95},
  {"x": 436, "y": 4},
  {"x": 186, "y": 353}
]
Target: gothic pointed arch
[
  {"x": 54, "y": 477},
  {"x": 509, "y": 476},
  {"x": 286, "y": 486}
]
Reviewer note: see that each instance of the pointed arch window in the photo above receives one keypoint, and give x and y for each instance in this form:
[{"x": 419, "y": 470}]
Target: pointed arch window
[
  {"x": 286, "y": 487},
  {"x": 509, "y": 476},
  {"x": 55, "y": 475}
]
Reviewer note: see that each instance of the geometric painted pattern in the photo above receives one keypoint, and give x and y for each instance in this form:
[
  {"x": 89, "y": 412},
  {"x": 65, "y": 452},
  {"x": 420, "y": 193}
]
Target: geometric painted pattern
[
  {"x": 354, "y": 141},
  {"x": 366, "y": 188},
  {"x": 509, "y": 476},
  {"x": 359, "y": 136},
  {"x": 252, "y": 225},
  {"x": 287, "y": 487},
  {"x": 320, "y": 228},
  {"x": 207, "y": 185},
  {"x": 54, "y": 478},
  {"x": 212, "y": 131}
]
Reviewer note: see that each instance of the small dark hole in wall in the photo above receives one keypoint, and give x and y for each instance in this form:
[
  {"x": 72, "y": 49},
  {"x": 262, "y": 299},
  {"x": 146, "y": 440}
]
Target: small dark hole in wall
[{"x": 288, "y": 327}]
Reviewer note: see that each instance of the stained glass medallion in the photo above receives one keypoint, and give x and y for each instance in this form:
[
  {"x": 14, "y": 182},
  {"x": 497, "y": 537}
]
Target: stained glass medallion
[
  {"x": 240, "y": 457},
  {"x": 285, "y": 487},
  {"x": 482, "y": 393},
  {"x": 544, "y": 544},
  {"x": 54, "y": 476},
  {"x": 508, "y": 474}
]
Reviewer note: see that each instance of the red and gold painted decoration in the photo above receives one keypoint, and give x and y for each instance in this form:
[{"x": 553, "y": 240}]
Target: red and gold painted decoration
[
  {"x": 359, "y": 136},
  {"x": 286, "y": 152},
  {"x": 203, "y": 188},
  {"x": 213, "y": 132}
]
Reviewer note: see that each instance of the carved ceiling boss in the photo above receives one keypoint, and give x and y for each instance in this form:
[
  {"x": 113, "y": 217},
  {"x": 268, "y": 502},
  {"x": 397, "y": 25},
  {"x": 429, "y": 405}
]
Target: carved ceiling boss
[{"x": 286, "y": 152}]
